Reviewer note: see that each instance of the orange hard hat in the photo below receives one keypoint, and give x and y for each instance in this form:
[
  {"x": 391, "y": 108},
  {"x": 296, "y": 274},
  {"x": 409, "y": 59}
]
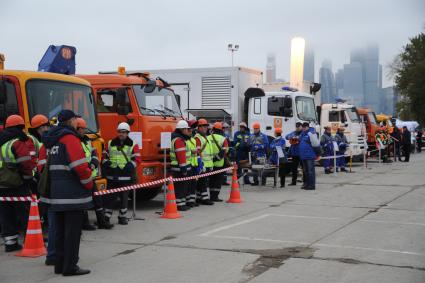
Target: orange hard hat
[
  {"x": 256, "y": 125},
  {"x": 192, "y": 123},
  {"x": 81, "y": 123},
  {"x": 202, "y": 122},
  {"x": 38, "y": 121},
  {"x": 278, "y": 131},
  {"x": 14, "y": 120},
  {"x": 218, "y": 126}
]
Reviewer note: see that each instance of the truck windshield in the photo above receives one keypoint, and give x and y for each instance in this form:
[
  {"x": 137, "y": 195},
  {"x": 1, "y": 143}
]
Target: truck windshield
[
  {"x": 49, "y": 97},
  {"x": 305, "y": 108},
  {"x": 160, "y": 102},
  {"x": 353, "y": 115},
  {"x": 372, "y": 117}
]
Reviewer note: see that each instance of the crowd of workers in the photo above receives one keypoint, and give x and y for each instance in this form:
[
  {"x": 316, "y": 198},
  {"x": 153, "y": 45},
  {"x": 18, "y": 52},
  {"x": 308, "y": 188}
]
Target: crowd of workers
[{"x": 60, "y": 165}]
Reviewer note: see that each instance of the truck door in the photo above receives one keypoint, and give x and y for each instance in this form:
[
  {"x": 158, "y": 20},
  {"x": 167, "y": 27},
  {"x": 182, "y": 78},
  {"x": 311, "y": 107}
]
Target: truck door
[
  {"x": 279, "y": 115},
  {"x": 114, "y": 106}
]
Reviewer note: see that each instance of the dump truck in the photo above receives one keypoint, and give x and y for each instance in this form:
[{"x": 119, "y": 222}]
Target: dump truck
[
  {"x": 368, "y": 117},
  {"x": 149, "y": 106}
]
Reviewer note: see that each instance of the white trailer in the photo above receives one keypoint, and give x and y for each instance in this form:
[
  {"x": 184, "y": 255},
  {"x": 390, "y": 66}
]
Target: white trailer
[{"x": 216, "y": 94}]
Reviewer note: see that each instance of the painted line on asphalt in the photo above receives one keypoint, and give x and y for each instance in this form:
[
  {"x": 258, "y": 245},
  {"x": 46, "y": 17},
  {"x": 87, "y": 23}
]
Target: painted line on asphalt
[
  {"x": 305, "y": 216},
  {"x": 234, "y": 225}
]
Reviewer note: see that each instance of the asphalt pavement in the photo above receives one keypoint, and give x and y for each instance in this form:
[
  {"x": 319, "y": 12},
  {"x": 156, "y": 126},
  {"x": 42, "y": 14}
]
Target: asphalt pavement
[{"x": 364, "y": 226}]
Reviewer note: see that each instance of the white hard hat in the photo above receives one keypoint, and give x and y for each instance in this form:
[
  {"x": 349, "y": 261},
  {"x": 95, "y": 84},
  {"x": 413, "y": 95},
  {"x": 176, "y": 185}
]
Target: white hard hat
[
  {"x": 182, "y": 124},
  {"x": 123, "y": 127},
  {"x": 243, "y": 124}
]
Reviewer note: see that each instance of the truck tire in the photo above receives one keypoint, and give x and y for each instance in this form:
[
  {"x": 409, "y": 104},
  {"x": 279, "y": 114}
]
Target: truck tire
[{"x": 148, "y": 193}]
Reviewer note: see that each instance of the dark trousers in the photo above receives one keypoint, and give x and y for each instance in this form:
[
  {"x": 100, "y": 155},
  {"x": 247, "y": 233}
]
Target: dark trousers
[
  {"x": 13, "y": 215},
  {"x": 397, "y": 150},
  {"x": 406, "y": 152},
  {"x": 216, "y": 181},
  {"x": 109, "y": 200},
  {"x": 51, "y": 246},
  {"x": 294, "y": 168},
  {"x": 180, "y": 189},
  {"x": 191, "y": 190},
  {"x": 68, "y": 234},
  {"x": 282, "y": 173},
  {"x": 202, "y": 187},
  {"x": 309, "y": 173}
]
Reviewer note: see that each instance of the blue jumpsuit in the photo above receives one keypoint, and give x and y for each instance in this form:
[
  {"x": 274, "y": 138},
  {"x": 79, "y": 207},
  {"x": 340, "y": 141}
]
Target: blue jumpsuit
[
  {"x": 326, "y": 142},
  {"x": 342, "y": 142}
]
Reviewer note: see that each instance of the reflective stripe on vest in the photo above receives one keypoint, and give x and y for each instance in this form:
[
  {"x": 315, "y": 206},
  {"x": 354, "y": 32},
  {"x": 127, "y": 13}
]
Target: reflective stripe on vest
[
  {"x": 215, "y": 149},
  {"x": 7, "y": 154},
  {"x": 206, "y": 154},
  {"x": 37, "y": 145},
  {"x": 193, "y": 152},
  {"x": 117, "y": 158},
  {"x": 88, "y": 149},
  {"x": 173, "y": 157}
]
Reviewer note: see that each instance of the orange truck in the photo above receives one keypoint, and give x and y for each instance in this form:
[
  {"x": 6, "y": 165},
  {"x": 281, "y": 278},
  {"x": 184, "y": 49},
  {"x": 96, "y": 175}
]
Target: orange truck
[
  {"x": 368, "y": 117},
  {"x": 148, "y": 106},
  {"x": 28, "y": 93}
]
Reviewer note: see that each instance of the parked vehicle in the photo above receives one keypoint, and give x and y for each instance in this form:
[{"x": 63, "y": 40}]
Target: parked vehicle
[{"x": 369, "y": 119}]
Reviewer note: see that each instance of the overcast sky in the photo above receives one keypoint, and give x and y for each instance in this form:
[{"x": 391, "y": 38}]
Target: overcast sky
[{"x": 182, "y": 34}]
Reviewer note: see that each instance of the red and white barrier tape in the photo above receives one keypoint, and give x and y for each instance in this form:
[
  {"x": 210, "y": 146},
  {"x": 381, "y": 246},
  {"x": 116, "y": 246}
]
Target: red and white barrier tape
[
  {"x": 25, "y": 198},
  {"x": 159, "y": 182}
]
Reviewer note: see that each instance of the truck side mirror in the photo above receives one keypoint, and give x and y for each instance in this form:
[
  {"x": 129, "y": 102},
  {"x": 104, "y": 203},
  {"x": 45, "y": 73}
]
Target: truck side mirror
[
  {"x": 178, "y": 98},
  {"x": 123, "y": 110},
  {"x": 3, "y": 91},
  {"x": 287, "y": 102},
  {"x": 150, "y": 86},
  {"x": 121, "y": 96}
]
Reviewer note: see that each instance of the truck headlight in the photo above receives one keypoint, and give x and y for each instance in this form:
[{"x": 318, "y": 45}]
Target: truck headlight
[{"x": 148, "y": 171}]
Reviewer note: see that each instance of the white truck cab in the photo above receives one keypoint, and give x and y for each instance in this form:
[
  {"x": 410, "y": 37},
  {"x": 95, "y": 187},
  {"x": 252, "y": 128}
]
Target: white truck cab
[
  {"x": 344, "y": 115},
  {"x": 279, "y": 109}
]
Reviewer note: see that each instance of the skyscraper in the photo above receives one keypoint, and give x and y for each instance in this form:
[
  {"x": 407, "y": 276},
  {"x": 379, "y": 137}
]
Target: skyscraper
[
  {"x": 353, "y": 83},
  {"x": 309, "y": 64},
  {"x": 271, "y": 68},
  {"x": 327, "y": 79}
]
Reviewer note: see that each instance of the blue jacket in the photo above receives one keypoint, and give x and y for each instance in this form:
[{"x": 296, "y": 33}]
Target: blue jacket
[
  {"x": 326, "y": 142},
  {"x": 342, "y": 142},
  {"x": 277, "y": 142},
  {"x": 69, "y": 172},
  {"x": 259, "y": 144},
  {"x": 294, "y": 150},
  {"x": 241, "y": 145},
  {"x": 308, "y": 141}
]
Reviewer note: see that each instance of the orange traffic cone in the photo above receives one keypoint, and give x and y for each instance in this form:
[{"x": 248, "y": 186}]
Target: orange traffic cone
[
  {"x": 170, "y": 209},
  {"x": 235, "y": 196},
  {"x": 34, "y": 244}
]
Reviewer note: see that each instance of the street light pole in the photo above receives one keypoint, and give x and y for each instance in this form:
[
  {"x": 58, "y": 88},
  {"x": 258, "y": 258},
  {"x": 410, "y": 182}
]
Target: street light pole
[{"x": 232, "y": 49}]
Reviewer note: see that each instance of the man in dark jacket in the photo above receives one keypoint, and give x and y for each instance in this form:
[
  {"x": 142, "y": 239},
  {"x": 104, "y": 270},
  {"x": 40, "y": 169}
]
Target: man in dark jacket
[
  {"x": 309, "y": 150},
  {"x": 406, "y": 143},
  {"x": 16, "y": 156},
  {"x": 396, "y": 136},
  {"x": 241, "y": 146},
  {"x": 294, "y": 151},
  {"x": 70, "y": 190}
]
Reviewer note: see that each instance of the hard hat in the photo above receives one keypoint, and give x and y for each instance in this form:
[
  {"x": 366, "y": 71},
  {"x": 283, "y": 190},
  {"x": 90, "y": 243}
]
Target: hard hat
[
  {"x": 192, "y": 123},
  {"x": 38, "y": 121},
  {"x": 278, "y": 131},
  {"x": 182, "y": 124},
  {"x": 81, "y": 123},
  {"x": 123, "y": 126},
  {"x": 14, "y": 120},
  {"x": 218, "y": 126},
  {"x": 202, "y": 122},
  {"x": 256, "y": 125},
  {"x": 243, "y": 124}
]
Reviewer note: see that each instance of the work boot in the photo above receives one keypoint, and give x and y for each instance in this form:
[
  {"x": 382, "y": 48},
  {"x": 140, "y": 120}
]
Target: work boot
[
  {"x": 78, "y": 271},
  {"x": 254, "y": 184},
  {"x": 207, "y": 202},
  {"x": 87, "y": 226},
  {"x": 217, "y": 199},
  {"x": 50, "y": 262},
  {"x": 343, "y": 170},
  {"x": 102, "y": 223},
  {"x": 327, "y": 171},
  {"x": 122, "y": 220},
  {"x": 182, "y": 208},
  {"x": 292, "y": 184},
  {"x": 12, "y": 248}
]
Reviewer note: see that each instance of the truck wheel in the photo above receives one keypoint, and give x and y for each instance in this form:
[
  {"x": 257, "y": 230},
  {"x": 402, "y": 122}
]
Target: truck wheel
[{"x": 148, "y": 193}]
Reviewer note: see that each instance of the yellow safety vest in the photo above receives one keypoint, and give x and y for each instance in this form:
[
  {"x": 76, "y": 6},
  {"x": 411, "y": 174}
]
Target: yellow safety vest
[
  {"x": 88, "y": 149},
  {"x": 173, "y": 157},
  {"x": 216, "y": 149},
  {"x": 206, "y": 151},
  {"x": 116, "y": 156}
]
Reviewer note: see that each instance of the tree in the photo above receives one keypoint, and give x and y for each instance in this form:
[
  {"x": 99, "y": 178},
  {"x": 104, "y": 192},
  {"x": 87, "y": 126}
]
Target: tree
[{"x": 408, "y": 69}]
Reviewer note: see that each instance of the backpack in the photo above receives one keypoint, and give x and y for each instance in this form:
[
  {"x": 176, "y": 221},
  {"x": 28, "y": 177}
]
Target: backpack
[{"x": 9, "y": 176}]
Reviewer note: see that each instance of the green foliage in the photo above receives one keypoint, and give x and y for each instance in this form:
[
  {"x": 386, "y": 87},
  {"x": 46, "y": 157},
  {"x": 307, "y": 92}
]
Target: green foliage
[{"x": 409, "y": 71}]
